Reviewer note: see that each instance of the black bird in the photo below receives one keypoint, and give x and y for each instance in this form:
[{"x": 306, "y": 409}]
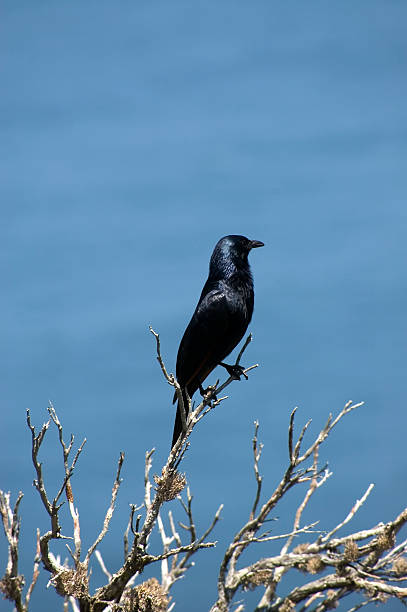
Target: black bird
[{"x": 220, "y": 319}]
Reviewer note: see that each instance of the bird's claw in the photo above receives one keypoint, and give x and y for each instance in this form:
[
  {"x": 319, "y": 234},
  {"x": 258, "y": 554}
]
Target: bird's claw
[
  {"x": 209, "y": 393},
  {"x": 235, "y": 371}
]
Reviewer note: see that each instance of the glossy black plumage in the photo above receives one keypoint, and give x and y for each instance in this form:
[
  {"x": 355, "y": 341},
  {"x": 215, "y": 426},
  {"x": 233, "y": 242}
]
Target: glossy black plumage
[{"x": 221, "y": 317}]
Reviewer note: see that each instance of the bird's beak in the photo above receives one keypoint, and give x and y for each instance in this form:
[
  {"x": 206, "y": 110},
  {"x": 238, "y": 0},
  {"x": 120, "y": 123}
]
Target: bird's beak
[{"x": 254, "y": 244}]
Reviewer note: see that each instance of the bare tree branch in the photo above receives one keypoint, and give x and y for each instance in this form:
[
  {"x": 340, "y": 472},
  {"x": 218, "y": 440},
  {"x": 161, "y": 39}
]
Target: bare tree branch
[
  {"x": 369, "y": 562},
  {"x": 357, "y": 568}
]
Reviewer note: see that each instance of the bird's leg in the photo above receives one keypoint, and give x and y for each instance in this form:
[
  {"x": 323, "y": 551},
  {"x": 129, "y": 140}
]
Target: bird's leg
[
  {"x": 209, "y": 393},
  {"x": 235, "y": 371}
]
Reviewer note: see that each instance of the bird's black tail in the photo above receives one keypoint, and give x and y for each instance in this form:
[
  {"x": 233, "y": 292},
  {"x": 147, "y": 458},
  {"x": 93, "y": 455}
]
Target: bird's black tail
[
  {"x": 177, "y": 427},
  {"x": 178, "y": 420}
]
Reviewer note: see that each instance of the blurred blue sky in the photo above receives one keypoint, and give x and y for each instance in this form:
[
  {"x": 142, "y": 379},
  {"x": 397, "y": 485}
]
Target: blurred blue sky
[{"x": 135, "y": 135}]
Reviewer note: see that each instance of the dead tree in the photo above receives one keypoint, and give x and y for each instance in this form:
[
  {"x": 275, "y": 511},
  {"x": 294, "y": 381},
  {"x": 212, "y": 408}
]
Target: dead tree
[{"x": 371, "y": 563}]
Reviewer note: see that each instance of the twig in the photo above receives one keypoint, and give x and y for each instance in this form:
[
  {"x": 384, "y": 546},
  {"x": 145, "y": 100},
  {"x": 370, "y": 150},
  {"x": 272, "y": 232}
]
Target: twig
[
  {"x": 359, "y": 503},
  {"x": 109, "y": 512},
  {"x": 36, "y": 572},
  {"x": 257, "y": 449},
  {"x": 102, "y": 565}
]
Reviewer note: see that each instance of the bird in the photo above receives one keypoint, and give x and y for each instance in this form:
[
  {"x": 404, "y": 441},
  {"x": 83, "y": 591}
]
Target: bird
[{"x": 220, "y": 320}]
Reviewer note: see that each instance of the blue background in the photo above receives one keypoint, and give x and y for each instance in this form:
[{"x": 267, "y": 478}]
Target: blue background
[{"x": 133, "y": 136}]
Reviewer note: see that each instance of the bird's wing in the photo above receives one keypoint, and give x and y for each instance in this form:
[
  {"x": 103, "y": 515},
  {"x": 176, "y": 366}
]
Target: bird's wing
[{"x": 210, "y": 336}]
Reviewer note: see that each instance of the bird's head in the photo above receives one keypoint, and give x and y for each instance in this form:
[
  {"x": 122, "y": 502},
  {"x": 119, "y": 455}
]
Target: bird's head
[{"x": 233, "y": 250}]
